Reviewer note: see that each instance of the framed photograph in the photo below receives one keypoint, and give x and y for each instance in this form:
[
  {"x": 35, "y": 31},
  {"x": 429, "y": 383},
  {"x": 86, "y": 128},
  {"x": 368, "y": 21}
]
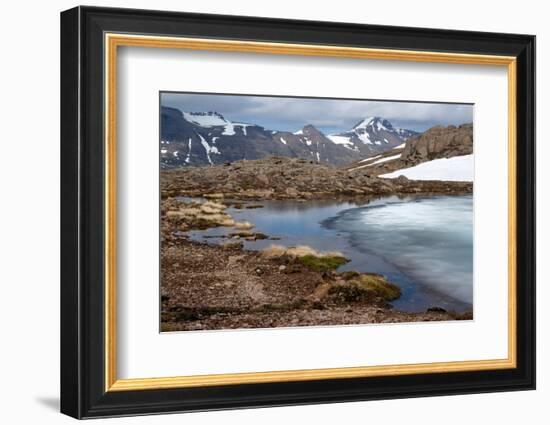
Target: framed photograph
[{"x": 261, "y": 212}]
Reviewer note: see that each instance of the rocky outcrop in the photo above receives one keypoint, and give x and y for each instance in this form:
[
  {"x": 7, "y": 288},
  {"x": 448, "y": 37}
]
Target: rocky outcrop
[{"x": 439, "y": 142}]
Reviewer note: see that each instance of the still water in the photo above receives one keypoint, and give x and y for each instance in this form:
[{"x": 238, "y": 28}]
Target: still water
[{"x": 422, "y": 244}]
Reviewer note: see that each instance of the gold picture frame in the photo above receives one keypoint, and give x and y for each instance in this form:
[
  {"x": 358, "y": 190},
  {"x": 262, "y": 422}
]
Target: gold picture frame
[{"x": 114, "y": 41}]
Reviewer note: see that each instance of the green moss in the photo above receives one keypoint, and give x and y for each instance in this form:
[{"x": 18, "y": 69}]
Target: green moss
[
  {"x": 365, "y": 287},
  {"x": 321, "y": 264},
  {"x": 379, "y": 285}
]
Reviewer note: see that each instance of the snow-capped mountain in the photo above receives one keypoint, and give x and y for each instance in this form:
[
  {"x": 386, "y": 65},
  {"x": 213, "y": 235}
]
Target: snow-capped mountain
[
  {"x": 372, "y": 136},
  {"x": 206, "y": 138}
]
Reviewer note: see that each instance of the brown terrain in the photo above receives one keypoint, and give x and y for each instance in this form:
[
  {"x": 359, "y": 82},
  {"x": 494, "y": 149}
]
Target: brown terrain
[
  {"x": 224, "y": 286},
  {"x": 292, "y": 178}
]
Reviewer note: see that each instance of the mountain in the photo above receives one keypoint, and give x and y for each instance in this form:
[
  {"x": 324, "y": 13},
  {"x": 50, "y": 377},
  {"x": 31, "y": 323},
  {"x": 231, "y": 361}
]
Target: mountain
[
  {"x": 437, "y": 143},
  {"x": 372, "y": 136},
  {"x": 208, "y": 138},
  {"x": 310, "y": 143}
]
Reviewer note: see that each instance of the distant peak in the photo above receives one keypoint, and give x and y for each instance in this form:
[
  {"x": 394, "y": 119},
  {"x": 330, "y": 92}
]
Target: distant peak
[
  {"x": 309, "y": 128},
  {"x": 376, "y": 123},
  {"x": 365, "y": 122}
]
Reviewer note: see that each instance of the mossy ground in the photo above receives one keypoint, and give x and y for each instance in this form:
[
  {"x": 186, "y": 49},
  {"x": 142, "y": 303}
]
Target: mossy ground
[
  {"x": 321, "y": 264},
  {"x": 360, "y": 287}
]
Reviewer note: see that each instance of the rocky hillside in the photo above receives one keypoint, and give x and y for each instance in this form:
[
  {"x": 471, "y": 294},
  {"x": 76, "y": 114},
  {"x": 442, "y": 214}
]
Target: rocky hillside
[
  {"x": 440, "y": 142},
  {"x": 290, "y": 178},
  {"x": 208, "y": 138},
  {"x": 437, "y": 142}
]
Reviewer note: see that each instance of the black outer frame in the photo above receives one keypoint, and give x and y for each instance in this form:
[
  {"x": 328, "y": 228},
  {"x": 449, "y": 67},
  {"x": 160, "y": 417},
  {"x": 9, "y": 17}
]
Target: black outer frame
[{"x": 82, "y": 207}]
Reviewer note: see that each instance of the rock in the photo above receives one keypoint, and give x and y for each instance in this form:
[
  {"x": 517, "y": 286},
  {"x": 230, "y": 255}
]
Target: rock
[
  {"x": 232, "y": 245},
  {"x": 213, "y": 195},
  {"x": 436, "y": 310},
  {"x": 262, "y": 178},
  {"x": 290, "y": 191},
  {"x": 282, "y": 268}
]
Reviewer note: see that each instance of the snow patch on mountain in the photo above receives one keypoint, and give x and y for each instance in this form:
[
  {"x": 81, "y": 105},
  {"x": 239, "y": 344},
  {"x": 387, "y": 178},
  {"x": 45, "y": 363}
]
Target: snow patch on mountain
[
  {"x": 188, "y": 158},
  {"x": 371, "y": 158},
  {"x": 378, "y": 161},
  {"x": 209, "y": 149},
  {"x": 205, "y": 119},
  {"x": 364, "y": 137},
  {"x": 457, "y": 168},
  {"x": 342, "y": 140}
]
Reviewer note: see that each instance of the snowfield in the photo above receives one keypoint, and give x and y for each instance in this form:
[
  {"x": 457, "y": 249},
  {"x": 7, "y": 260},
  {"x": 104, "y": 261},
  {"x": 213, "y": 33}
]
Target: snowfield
[
  {"x": 341, "y": 140},
  {"x": 205, "y": 119},
  {"x": 458, "y": 168}
]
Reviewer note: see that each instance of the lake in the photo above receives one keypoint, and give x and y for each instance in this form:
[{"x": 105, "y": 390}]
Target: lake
[{"x": 423, "y": 244}]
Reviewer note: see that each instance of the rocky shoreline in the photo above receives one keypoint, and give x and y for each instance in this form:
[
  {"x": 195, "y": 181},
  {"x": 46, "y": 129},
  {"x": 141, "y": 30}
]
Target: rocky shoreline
[{"x": 224, "y": 286}]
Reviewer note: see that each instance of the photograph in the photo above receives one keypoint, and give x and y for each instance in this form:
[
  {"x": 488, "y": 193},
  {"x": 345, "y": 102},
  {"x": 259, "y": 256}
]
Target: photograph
[{"x": 284, "y": 211}]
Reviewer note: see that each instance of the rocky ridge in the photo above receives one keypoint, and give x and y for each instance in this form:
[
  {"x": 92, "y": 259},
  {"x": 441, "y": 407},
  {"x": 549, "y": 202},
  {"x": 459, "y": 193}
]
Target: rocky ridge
[{"x": 292, "y": 178}]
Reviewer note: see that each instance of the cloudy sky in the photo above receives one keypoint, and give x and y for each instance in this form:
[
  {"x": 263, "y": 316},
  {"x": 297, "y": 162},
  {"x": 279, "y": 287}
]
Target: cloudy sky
[{"x": 328, "y": 115}]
